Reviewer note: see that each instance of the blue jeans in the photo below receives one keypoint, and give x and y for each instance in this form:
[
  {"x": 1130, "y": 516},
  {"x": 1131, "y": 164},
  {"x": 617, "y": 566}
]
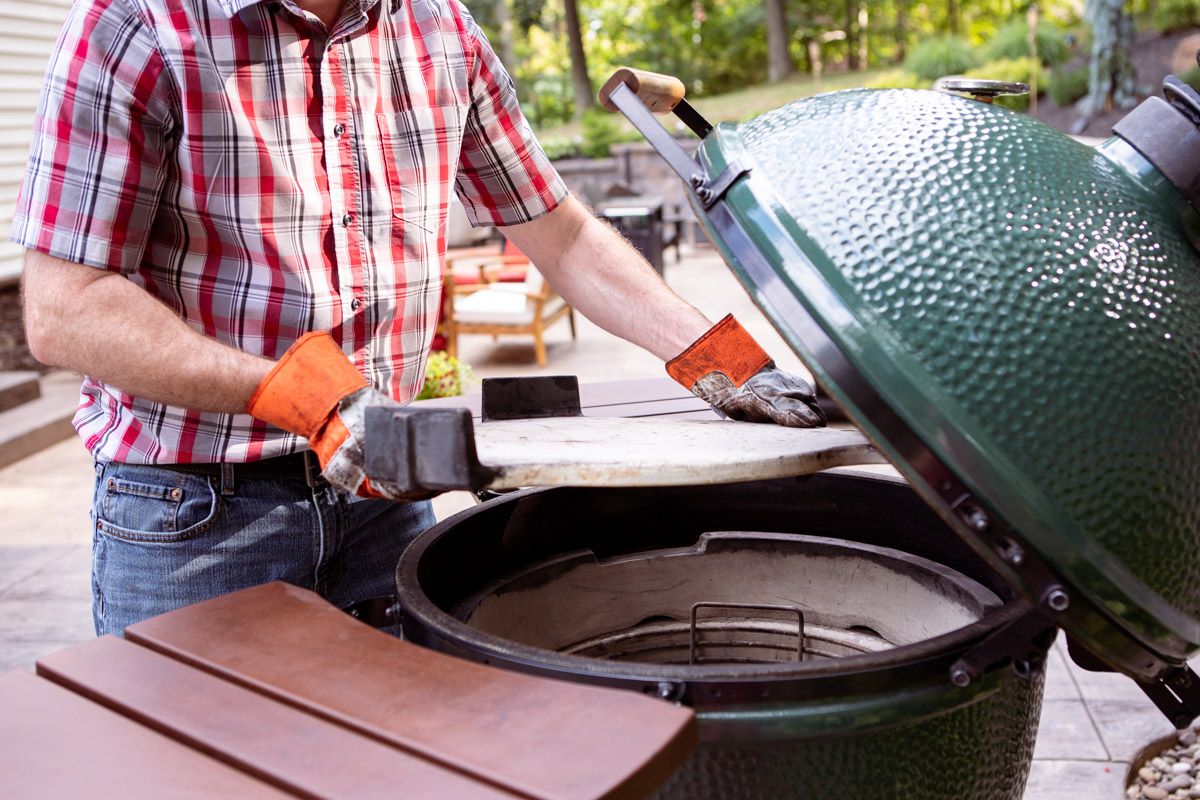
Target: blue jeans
[{"x": 164, "y": 539}]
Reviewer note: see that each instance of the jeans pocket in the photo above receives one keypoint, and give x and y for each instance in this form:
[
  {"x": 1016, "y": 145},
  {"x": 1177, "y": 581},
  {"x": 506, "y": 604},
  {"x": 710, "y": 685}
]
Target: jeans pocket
[{"x": 149, "y": 504}]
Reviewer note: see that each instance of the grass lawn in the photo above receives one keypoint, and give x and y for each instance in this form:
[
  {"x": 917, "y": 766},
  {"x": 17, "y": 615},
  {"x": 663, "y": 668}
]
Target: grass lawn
[{"x": 752, "y": 101}]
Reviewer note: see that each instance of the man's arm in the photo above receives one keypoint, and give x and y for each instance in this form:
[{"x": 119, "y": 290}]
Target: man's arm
[
  {"x": 595, "y": 270},
  {"x": 600, "y": 274},
  {"x": 99, "y": 323}
]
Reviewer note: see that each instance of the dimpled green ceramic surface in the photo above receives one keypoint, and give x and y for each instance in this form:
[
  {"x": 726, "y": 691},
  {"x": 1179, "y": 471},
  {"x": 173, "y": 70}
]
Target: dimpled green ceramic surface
[{"x": 1027, "y": 306}]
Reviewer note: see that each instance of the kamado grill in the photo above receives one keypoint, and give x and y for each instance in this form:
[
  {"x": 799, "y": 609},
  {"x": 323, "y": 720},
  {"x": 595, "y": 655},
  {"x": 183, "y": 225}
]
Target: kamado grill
[{"x": 1011, "y": 318}]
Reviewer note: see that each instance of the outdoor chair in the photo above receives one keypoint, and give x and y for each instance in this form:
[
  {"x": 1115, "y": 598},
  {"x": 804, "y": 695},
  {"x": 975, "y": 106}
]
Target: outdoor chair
[{"x": 495, "y": 307}]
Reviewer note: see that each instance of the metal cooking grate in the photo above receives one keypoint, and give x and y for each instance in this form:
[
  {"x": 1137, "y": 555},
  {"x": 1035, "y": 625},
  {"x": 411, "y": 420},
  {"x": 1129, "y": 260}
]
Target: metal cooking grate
[{"x": 730, "y": 633}]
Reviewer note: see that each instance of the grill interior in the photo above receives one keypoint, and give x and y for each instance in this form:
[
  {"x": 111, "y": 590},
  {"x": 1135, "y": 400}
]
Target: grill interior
[{"x": 733, "y": 598}]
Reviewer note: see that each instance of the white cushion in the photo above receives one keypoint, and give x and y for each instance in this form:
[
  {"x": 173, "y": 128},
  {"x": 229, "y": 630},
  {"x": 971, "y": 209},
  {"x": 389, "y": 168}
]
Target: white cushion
[
  {"x": 494, "y": 307},
  {"x": 500, "y": 306}
]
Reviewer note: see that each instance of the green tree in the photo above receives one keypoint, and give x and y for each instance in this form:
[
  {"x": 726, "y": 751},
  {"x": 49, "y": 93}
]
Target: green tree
[
  {"x": 580, "y": 79},
  {"x": 779, "y": 60}
]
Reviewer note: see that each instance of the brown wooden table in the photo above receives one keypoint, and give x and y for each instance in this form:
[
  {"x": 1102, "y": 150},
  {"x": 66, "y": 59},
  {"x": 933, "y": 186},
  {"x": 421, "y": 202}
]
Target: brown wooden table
[{"x": 271, "y": 692}]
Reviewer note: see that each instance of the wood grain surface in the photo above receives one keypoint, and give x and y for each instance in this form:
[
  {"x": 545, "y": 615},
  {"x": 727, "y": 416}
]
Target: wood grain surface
[
  {"x": 537, "y": 737},
  {"x": 56, "y": 744},
  {"x": 273, "y": 741}
]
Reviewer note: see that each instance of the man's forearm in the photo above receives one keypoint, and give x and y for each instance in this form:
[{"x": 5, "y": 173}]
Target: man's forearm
[
  {"x": 101, "y": 324},
  {"x": 606, "y": 280}
]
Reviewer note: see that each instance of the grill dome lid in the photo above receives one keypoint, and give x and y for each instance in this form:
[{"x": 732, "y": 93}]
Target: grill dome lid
[{"x": 1012, "y": 316}]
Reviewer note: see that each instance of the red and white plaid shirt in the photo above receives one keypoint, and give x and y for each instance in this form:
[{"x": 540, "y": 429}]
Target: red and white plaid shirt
[{"x": 264, "y": 181}]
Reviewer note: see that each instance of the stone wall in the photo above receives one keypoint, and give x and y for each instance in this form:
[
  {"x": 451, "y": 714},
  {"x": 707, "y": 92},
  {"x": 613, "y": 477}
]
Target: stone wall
[{"x": 634, "y": 168}]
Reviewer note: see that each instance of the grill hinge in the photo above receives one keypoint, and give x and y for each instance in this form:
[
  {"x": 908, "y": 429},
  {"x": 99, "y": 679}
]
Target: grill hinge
[
  {"x": 1022, "y": 641},
  {"x": 709, "y": 192},
  {"x": 1177, "y": 695}
]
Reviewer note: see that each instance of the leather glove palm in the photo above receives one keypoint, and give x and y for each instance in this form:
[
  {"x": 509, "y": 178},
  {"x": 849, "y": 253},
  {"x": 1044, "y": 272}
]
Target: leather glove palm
[
  {"x": 315, "y": 392},
  {"x": 728, "y": 370}
]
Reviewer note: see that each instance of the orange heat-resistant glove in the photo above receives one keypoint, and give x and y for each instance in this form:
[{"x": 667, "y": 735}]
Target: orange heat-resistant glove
[
  {"x": 728, "y": 370},
  {"x": 315, "y": 392}
]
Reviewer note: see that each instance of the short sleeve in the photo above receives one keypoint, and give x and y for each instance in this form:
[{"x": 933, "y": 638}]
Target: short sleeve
[
  {"x": 97, "y": 160},
  {"x": 504, "y": 177}
]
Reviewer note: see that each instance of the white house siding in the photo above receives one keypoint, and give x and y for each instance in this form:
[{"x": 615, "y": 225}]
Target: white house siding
[{"x": 28, "y": 31}]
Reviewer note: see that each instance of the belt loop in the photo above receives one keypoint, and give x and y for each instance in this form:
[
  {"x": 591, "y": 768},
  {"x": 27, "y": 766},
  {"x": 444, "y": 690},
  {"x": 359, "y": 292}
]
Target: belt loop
[
  {"x": 227, "y": 485},
  {"x": 312, "y": 471}
]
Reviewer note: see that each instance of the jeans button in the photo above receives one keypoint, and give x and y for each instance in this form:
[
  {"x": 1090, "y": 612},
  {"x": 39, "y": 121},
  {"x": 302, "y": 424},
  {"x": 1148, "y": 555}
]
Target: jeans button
[
  {"x": 355, "y": 304},
  {"x": 346, "y": 220},
  {"x": 338, "y": 130}
]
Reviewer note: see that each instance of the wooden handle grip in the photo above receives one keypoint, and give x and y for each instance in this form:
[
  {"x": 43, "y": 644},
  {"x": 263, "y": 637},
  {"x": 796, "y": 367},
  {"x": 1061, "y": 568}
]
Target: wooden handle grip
[{"x": 660, "y": 93}]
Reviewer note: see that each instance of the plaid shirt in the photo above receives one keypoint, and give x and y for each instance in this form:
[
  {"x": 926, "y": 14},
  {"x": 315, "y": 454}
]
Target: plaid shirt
[{"x": 264, "y": 181}]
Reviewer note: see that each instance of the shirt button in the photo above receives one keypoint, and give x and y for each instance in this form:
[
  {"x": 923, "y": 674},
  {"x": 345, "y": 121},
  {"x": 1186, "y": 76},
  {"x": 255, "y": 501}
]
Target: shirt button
[
  {"x": 355, "y": 304},
  {"x": 338, "y": 130},
  {"x": 346, "y": 220}
]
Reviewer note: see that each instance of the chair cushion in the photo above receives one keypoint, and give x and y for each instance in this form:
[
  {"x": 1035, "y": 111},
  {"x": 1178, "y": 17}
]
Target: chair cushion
[{"x": 494, "y": 306}]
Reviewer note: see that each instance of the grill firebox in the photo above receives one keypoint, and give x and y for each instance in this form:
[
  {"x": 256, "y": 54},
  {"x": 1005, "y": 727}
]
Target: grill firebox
[
  {"x": 600, "y": 586},
  {"x": 736, "y": 597}
]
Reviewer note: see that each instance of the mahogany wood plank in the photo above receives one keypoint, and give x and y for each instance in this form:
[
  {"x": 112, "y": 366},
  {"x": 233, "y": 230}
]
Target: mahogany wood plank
[
  {"x": 277, "y": 743},
  {"x": 55, "y": 744},
  {"x": 537, "y": 736}
]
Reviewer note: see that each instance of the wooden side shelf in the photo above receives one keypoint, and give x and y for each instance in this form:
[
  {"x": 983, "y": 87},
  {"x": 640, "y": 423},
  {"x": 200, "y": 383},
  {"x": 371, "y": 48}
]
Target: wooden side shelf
[{"x": 271, "y": 691}]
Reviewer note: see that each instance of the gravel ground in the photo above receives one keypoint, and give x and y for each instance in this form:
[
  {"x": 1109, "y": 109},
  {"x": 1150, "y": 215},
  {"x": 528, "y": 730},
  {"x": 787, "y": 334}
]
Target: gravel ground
[{"x": 1171, "y": 775}]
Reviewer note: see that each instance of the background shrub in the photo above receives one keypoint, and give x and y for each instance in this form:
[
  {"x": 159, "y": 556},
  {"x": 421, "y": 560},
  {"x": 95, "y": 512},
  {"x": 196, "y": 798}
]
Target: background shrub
[
  {"x": 1012, "y": 41},
  {"x": 897, "y": 79},
  {"x": 557, "y": 147},
  {"x": 1009, "y": 69},
  {"x": 603, "y": 129},
  {"x": 1067, "y": 85},
  {"x": 1175, "y": 15},
  {"x": 1192, "y": 77},
  {"x": 935, "y": 58}
]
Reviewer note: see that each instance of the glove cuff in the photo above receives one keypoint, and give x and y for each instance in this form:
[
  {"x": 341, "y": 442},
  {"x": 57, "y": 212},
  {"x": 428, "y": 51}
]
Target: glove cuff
[
  {"x": 727, "y": 348},
  {"x": 304, "y": 387}
]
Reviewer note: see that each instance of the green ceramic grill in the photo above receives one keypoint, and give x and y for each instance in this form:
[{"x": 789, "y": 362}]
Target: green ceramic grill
[{"x": 1013, "y": 317}]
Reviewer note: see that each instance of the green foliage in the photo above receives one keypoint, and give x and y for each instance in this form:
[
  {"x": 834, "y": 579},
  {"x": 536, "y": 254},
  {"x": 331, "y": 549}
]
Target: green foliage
[
  {"x": 527, "y": 13},
  {"x": 935, "y": 58},
  {"x": 1012, "y": 41},
  {"x": 1175, "y": 15},
  {"x": 550, "y": 100},
  {"x": 445, "y": 376},
  {"x": 1009, "y": 69},
  {"x": 718, "y": 47},
  {"x": 1067, "y": 85},
  {"x": 557, "y": 147},
  {"x": 603, "y": 129},
  {"x": 897, "y": 79},
  {"x": 1191, "y": 77}
]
